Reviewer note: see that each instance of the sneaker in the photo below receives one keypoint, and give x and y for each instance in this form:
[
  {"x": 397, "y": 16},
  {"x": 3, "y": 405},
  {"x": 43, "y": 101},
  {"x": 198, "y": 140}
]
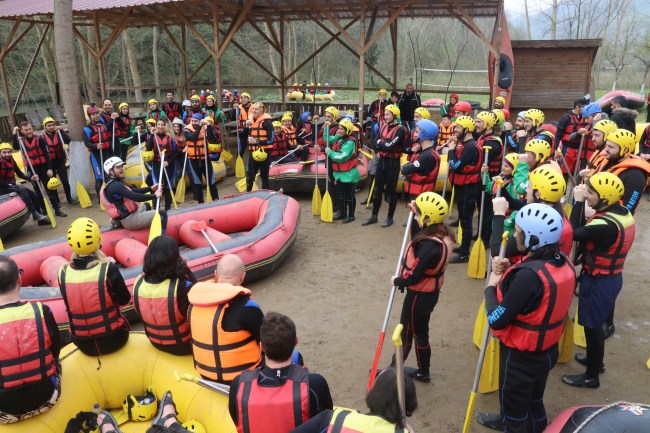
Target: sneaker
[
  {"x": 420, "y": 377},
  {"x": 580, "y": 381},
  {"x": 490, "y": 420},
  {"x": 608, "y": 330},
  {"x": 348, "y": 219},
  {"x": 371, "y": 220},
  {"x": 460, "y": 258},
  {"x": 364, "y": 202},
  {"x": 457, "y": 250},
  {"x": 60, "y": 213},
  {"x": 43, "y": 220},
  {"x": 582, "y": 359},
  {"x": 338, "y": 216},
  {"x": 387, "y": 222},
  {"x": 73, "y": 202}
]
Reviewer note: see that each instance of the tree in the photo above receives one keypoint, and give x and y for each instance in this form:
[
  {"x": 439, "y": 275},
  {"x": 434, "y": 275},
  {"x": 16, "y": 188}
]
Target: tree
[
  {"x": 642, "y": 53},
  {"x": 620, "y": 53}
]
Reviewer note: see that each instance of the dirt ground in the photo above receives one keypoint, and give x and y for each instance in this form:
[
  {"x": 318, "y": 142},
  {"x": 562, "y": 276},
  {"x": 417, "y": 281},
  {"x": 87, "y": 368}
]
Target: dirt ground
[{"x": 335, "y": 285}]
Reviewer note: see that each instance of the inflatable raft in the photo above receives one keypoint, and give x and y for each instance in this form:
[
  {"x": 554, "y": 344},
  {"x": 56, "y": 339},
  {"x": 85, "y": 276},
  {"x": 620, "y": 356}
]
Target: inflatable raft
[
  {"x": 619, "y": 417},
  {"x": 260, "y": 227},
  {"x": 13, "y": 214},
  {"x": 86, "y": 383},
  {"x": 634, "y": 100},
  {"x": 297, "y": 95}
]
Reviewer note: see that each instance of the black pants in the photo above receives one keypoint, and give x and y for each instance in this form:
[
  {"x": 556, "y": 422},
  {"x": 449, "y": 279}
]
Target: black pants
[
  {"x": 41, "y": 171},
  {"x": 102, "y": 345},
  {"x": 28, "y": 196},
  {"x": 488, "y": 214},
  {"x": 522, "y": 381},
  {"x": 196, "y": 171},
  {"x": 416, "y": 313},
  {"x": 167, "y": 189},
  {"x": 58, "y": 165},
  {"x": 386, "y": 179},
  {"x": 345, "y": 198},
  {"x": 466, "y": 198},
  {"x": 595, "y": 338},
  {"x": 253, "y": 167}
]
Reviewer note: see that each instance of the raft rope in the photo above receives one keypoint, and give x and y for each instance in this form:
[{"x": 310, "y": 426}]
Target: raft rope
[{"x": 603, "y": 409}]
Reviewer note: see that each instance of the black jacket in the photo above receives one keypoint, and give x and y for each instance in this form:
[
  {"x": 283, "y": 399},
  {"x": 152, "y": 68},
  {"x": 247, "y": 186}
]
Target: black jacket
[
  {"x": 625, "y": 118},
  {"x": 407, "y": 105}
]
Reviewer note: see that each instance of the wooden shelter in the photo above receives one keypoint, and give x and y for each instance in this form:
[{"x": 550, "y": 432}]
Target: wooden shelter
[
  {"x": 226, "y": 17},
  {"x": 561, "y": 71}
]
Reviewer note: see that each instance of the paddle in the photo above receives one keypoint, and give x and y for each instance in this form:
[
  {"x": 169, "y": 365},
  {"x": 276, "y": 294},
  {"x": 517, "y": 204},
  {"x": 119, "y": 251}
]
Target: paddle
[
  {"x": 566, "y": 342},
  {"x": 173, "y": 194},
  {"x": 241, "y": 184},
  {"x": 212, "y": 386},
  {"x": 144, "y": 182},
  {"x": 476, "y": 265},
  {"x": 208, "y": 195},
  {"x": 327, "y": 208},
  {"x": 2, "y": 247},
  {"x": 274, "y": 163},
  {"x": 481, "y": 357},
  {"x": 37, "y": 184},
  {"x": 156, "y": 223},
  {"x": 200, "y": 226},
  {"x": 372, "y": 188},
  {"x": 576, "y": 169},
  {"x": 578, "y": 332},
  {"x": 180, "y": 186},
  {"x": 382, "y": 333},
  {"x": 113, "y": 138},
  {"x": 240, "y": 171},
  {"x": 316, "y": 197},
  {"x": 82, "y": 194},
  {"x": 399, "y": 372}
]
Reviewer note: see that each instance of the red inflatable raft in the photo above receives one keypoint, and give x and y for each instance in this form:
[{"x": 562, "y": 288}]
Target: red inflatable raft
[
  {"x": 260, "y": 227},
  {"x": 634, "y": 100},
  {"x": 619, "y": 417},
  {"x": 13, "y": 214}
]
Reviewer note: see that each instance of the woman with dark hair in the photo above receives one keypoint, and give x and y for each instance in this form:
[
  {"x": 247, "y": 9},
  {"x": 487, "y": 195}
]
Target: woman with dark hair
[
  {"x": 385, "y": 413},
  {"x": 422, "y": 274},
  {"x": 160, "y": 296}
]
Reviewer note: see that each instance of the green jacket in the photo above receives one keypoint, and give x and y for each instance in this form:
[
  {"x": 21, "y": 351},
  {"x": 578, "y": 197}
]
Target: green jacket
[
  {"x": 518, "y": 185},
  {"x": 346, "y": 153}
]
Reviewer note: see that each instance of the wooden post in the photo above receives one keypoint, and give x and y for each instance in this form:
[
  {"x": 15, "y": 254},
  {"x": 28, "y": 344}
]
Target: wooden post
[
  {"x": 185, "y": 78},
  {"x": 3, "y": 73},
  {"x": 393, "y": 38},
  {"x": 283, "y": 78},
  {"x": 100, "y": 58},
  {"x": 217, "y": 60},
  {"x": 362, "y": 57}
]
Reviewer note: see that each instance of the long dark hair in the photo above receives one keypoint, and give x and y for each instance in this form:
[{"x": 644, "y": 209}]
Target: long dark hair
[
  {"x": 382, "y": 398},
  {"x": 163, "y": 260},
  {"x": 434, "y": 230}
]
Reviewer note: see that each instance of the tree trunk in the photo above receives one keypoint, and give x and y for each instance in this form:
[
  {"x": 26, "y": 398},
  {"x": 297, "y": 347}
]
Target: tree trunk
[
  {"x": 295, "y": 51},
  {"x": 554, "y": 21},
  {"x": 273, "y": 55},
  {"x": 69, "y": 83},
  {"x": 133, "y": 65},
  {"x": 91, "y": 70},
  {"x": 530, "y": 37},
  {"x": 156, "y": 70},
  {"x": 125, "y": 76}
]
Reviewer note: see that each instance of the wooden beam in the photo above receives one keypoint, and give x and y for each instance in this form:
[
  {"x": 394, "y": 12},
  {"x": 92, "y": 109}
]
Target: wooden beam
[
  {"x": 29, "y": 69},
  {"x": 234, "y": 27},
  {"x": 362, "y": 57},
  {"x": 193, "y": 29},
  {"x": 264, "y": 35},
  {"x": 396, "y": 13},
  {"x": 84, "y": 42},
  {"x": 371, "y": 26},
  {"x": 100, "y": 61},
  {"x": 186, "y": 80},
  {"x": 4, "y": 51},
  {"x": 274, "y": 35},
  {"x": 252, "y": 59},
  {"x": 393, "y": 38},
  {"x": 172, "y": 38},
  {"x": 11, "y": 45},
  {"x": 5, "y": 84},
  {"x": 336, "y": 24},
  {"x": 496, "y": 41},
  {"x": 283, "y": 89},
  {"x": 466, "y": 19},
  {"x": 217, "y": 61},
  {"x": 197, "y": 70},
  {"x": 121, "y": 24}
]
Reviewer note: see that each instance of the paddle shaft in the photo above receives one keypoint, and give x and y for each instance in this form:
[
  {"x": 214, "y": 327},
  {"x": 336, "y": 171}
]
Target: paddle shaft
[
  {"x": 141, "y": 160},
  {"x": 208, "y": 384},
  {"x": 237, "y": 115},
  {"x": 294, "y": 150},
  {"x": 113, "y": 138},
  {"x": 29, "y": 161},
  {"x": 317, "y": 149},
  {"x": 480, "y": 217},
  {"x": 160, "y": 181},
  {"x": 184, "y": 165},
  {"x": 327, "y": 162},
  {"x": 207, "y": 161},
  {"x": 162, "y": 168},
  {"x": 576, "y": 169},
  {"x": 382, "y": 334},
  {"x": 214, "y": 248}
]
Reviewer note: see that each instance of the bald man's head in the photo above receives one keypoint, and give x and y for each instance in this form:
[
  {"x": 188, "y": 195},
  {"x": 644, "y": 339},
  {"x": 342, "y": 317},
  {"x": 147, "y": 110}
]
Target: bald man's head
[{"x": 230, "y": 270}]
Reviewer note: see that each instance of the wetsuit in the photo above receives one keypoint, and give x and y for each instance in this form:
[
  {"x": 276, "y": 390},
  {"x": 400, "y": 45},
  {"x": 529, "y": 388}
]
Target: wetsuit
[
  {"x": 389, "y": 146},
  {"x": 468, "y": 187},
  {"x": 57, "y": 158},
  {"x": 116, "y": 192},
  {"x": 8, "y": 185}
]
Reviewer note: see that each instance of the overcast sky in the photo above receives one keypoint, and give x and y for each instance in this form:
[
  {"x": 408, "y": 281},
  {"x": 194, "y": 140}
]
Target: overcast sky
[{"x": 517, "y": 6}]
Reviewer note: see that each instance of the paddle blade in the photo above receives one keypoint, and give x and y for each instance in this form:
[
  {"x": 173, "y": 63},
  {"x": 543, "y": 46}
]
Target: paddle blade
[
  {"x": 241, "y": 185},
  {"x": 101, "y": 206},
  {"x": 2, "y": 247},
  {"x": 477, "y": 261},
  {"x": 327, "y": 209},
  {"x": 489, "y": 381},
  {"x": 156, "y": 228},
  {"x": 567, "y": 210},
  {"x": 648, "y": 363},
  {"x": 208, "y": 194},
  {"x": 180, "y": 191},
  {"x": 225, "y": 155},
  {"x": 479, "y": 325},
  {"x": 48, "y": 210},
  {"x": 566, "y": 341},
  {"x": 459, "y": 238},
  {"x": 372, "y": 188},
  {"x": 316, "y": 202},
  {"x": 578, "y": 333},
  {"x": 254, "y": 187},
  {"x": 82, "y": 195},
  {"x": 240, "y": 171}
]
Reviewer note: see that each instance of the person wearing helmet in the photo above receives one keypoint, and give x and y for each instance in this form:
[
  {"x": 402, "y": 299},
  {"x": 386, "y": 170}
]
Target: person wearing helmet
[
  {"x": 569, "y": 123},
  {"x": 511, "y": 135},
  {"x": 179, "y": 136},
  {"x": 537, "y": 153},
  {"x": 154, "y": 113},
  {"x": 36, "y": 386},
  {"x": 598, "y": 159},
  {"x": 195, "y": 108},
  {"x": 534, "y": 128},
  {"x": 162, "y": 140},
  {"x": 54, "y": 138},
  {"x": 197, "y": 136},
  {"x": 421, "y": 172},
  {"x": 97, "y": 139},
  {"x": 448, "y": 109},
  {"x": 465, "y": 160},
  {"x": 624, "y": 117},
  {"x": 329, "y": 129},
  {"x": 280, "y": 144},
  {"x": 8, "y": 172},
  {"x": 422, "y": 274},
  {"x": 259, "y": 133},
  {"x": 644, "y": 147},
  {"x": 305, "y": 127},
  {"x": 591, "y": 113},
  {"x": 445, "y": 133},
  {"x": 295, "y": 140},
  {"x": 499, "y": 103},
  {"x": 389, "y": 146},
  {"x": 526, "y": 305},
  {"x": 631, "y": 169},
  {"x": 607, "y": 237},
  {"x": 407, "y": 103},
  {"x": 376, "y": 111},
  {"x": 342, "y": 151},
  {"x": 412, "y": 135},
  {"x": 186, "y": 106},
  {"x": 171, "y": 108},
  {"x": 245, "y": 108},
  {"x": 211, "y": 110},
  {"x": 93, "y": 289},
  {"x": 124, "y": 130},
  {"x": 462, "y": 108},
  {"x": 263, "y": 400}
]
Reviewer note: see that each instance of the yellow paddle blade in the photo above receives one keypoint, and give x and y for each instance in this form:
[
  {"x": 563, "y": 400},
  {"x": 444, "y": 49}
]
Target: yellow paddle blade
[
  {"x": 648, "y": 363},
  {"x": 2, "y": 247},
  {"x": 208, "y": 194},
  {"x": 82, "y": 195},
  {"x": 566, "y": 341},
  {"x": 489, "y": 381},
  {"x": 567, "y": 210},
  {"x": 477, "y": 262},
  {"x": 316, "y": 202},
  {"x": 156, "y": 228},
  {"x": 240, "y": 171},
  {"x": 459, "y": 238},
  {"x": 369, "y": 156},
  {"x": 372, "y": 188},
  {"x": 468, "y": 414},
  {"x": 101, "y": 206},
  {"x": 479, "y": 325},
  {"x": 225, "y": 155},
  {"x": 48, "y": 210},
  {"x": 180, "y": 191},
  {"x": 327, "y": 209},
  {"x": 241, "y": 185},
  {"x": 578, "y": 333},
  {"x": 254, "y": 187}
]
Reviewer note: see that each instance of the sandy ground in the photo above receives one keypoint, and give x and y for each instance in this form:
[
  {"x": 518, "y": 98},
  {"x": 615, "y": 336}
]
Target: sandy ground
[{"x": 335, "y": 285}]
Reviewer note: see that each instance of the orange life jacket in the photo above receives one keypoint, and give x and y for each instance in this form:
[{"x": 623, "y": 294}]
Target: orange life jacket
[
  {"x": 597, "y": 161},
  {"x": 632, "y": 161},
  {"x": 291, "y": 134},
  {"x": 120, "y": 209},
  {"x": 433, "y": 277},
  {"x": 416, "y": 184},
  {"x": 244, "y": 114},
  {"x": 610, "y": 262},
  {"x": 444, "y": 134},
  {"x": 196, "y": 149},
  {"x": 258, "y": 132}
]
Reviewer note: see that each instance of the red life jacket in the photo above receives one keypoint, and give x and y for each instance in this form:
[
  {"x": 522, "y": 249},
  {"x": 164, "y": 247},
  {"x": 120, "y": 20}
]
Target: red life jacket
[
  {"x": 566, "y": 237},
  {"x": 105, "y": 117},
  {"x": 7, "y": 170},
  {"x": 165, "y": 143},
  {"x": 90, "y": 308},
  {"x": 54, "y": 145},
  {"x": 272, "y": 409},
  {"x": 157, "y": 305},
  {"x": 647, "y": 135},
  {"x": 542, "y": 328},
  {"x": 575, "y": 123},
  {"x": 280, "y": 145},
  {"x": 34, "y": 150},
  {"x": 192, "y": 112},
  {"x": 123, "y": 131},
  {"x": 416, "y": 184},
  {"x": 470, "y": 174},
  {"x": 172, "y": 110},
  {"x": 120, "y": 209},
  {"x": 610, "y": 262},
  {"x": 154, "y": 114},
  {"x": 494, "y": 164},
  {"x": 345, "y": 165},
  {"x": 25, "y": 352},
  {"x": 100, "y": 134},
  {"x": 387, "y": 133},
  {"x": 433, "y": 277}
]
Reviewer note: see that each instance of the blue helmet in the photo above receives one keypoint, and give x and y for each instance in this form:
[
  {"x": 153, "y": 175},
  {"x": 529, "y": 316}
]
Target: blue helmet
[
  {"x": 351, "y": 116},
  {"x": 428, "y": 129},
  {"x": 197, "y": 116},
  {"x": 541, "y": 221},
  {"x": 304, "y": 116},
  {"x": 591, "y": 109}
]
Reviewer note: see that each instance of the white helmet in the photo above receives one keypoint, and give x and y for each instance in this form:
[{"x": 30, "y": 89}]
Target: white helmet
[
  {"x": 187, "y": 103},
  {"x": 112, "y": 162}
]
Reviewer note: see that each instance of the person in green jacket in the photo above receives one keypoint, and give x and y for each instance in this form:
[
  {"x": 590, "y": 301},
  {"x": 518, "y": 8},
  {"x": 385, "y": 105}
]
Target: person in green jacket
[
  {"x": 343, "y": 157},
  {"x": 515, "y": 181}
]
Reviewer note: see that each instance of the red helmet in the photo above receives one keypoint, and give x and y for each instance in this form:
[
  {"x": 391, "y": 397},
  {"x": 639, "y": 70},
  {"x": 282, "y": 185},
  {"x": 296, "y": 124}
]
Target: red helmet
[
  {"x": 506, "y": 113},
  {"x": 92, "y": 110},
  {"x": 463, "y": 106}
]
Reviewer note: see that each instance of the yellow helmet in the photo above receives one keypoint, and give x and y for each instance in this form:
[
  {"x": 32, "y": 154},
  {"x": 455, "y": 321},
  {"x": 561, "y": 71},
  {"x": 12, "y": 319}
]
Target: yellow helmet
[
  {"x": 500, "y": 98},
  {"x": 195, "y": 98},
  {"x": 384, "y": 91},
  {"x": 151, "y": 120},
  {"x": 537, "y": 116},
  {"x": 245, "y": 94},
  {"x": 625, "y": 140},
  {"x": 433, "y": 207},
  {"x": 500, "y": 115},
  {"x": 214, "y": 147},
  {"x": 513, "y": 159},
  {"x": 423, "y": 112},
  {"x": 48, "y": 120},
  {"x": 152, "y": 101},
  {"x": 347, "y": 125},
  {"x": 277, "y": 124},
  {"x": 260, "y": 155},
  {"x": 210, "y": 97},
  {"x": 465, "y": 122},
  {"x": 194, "y": 426},
  {"x": 288, "y": 117},
  {"x": 488, "y": 118},
  {"x": 608, "y": 186},
  {"x": 4, "y": 146},
  {"x": 140, "y": 407},
  {"x": 333, "y": 111},
  {"x": 53, "y": 184},
  {"x": 541, "y": 149},
  {"x": 84, "y": 236},
  {"x": 605, "y": 126},
  {"x": 549, "y": 182},
  {"x": 393, "y": 109},
  {"x": 147, "y": 155},
  {"x": 209, "y": 119},
  {"x": 122, "y": 105}
]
